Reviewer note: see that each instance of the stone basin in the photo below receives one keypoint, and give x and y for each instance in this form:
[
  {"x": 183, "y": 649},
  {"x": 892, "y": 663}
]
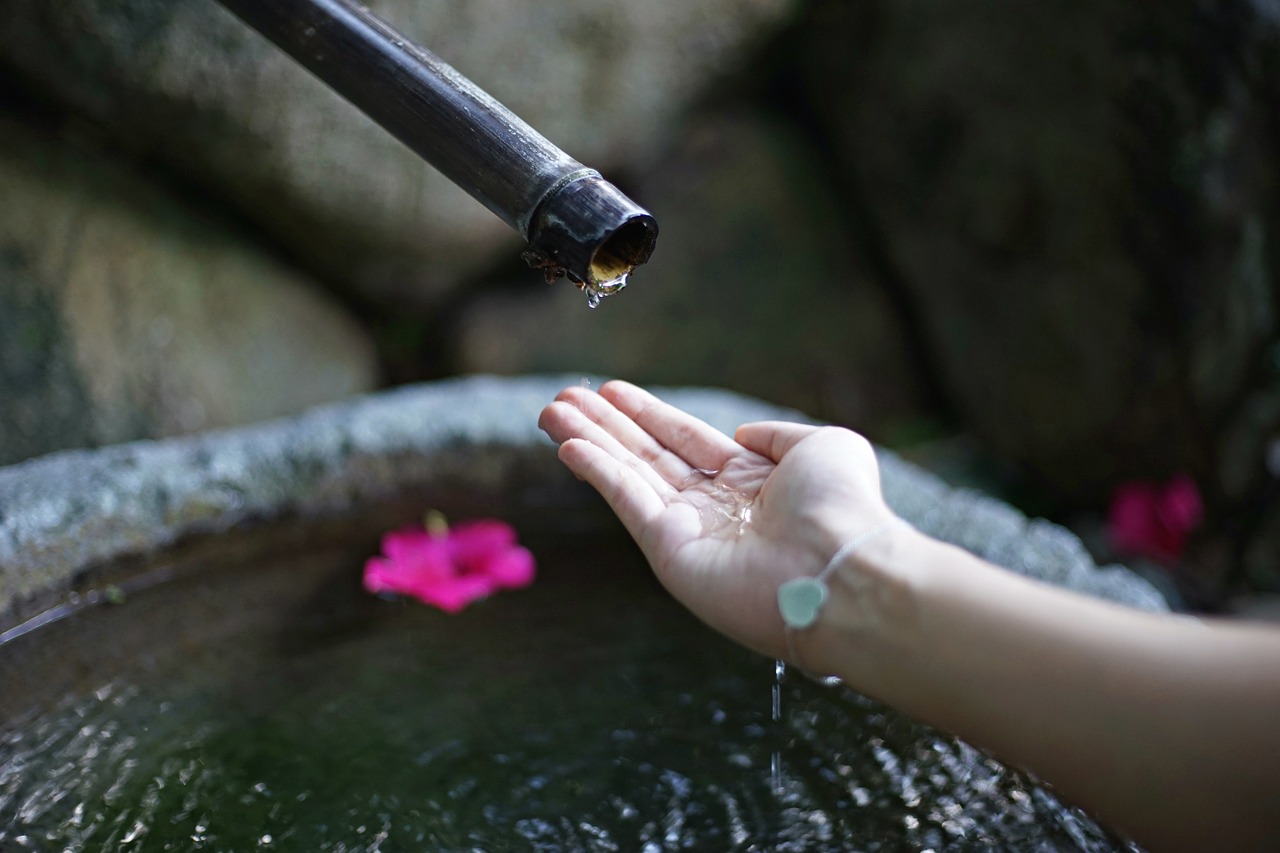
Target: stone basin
[{"x": 189, "y": 662}]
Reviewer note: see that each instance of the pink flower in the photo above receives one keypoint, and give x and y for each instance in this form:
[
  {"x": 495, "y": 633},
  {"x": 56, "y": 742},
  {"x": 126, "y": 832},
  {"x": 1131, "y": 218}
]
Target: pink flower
[
  {"x": 1153, "y": 520},
  {"x": 450, "y": 568}
]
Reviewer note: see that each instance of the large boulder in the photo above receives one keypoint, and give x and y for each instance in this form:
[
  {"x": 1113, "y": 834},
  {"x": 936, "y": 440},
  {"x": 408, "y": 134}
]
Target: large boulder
[
  {"x": 1080, "y": 201},
  {"x": 756, "y": 288},
  {"x": 125, "y": 314},
  {"x": 184, "y": 84}
]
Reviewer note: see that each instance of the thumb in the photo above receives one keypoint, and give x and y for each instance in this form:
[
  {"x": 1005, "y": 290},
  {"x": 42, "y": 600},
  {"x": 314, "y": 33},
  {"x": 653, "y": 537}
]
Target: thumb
[{"x": 772, "y": 439}]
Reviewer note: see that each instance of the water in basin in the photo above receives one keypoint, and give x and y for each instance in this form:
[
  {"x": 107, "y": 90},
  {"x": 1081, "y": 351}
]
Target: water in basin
[{"x": 258, "y": 699}]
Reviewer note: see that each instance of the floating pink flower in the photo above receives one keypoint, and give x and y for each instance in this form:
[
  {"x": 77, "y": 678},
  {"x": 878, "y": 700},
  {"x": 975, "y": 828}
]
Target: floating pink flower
[
  {"x": 1154, "y": 520},
  {"x": 447, "y": 567}
]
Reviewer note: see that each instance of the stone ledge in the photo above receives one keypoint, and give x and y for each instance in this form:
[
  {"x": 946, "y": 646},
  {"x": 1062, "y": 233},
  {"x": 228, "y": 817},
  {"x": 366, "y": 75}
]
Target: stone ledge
[{"x": 63, "y": 514}]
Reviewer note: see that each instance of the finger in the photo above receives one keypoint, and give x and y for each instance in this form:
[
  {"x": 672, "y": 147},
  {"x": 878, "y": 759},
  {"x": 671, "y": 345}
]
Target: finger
[
  {"x": 629, "y": 495},
  {"x": 696, "y": 442},
  {"x": 563, "y": 421},
  {"x": 630, "y": 435},
  {"x": 773, "y": 439}
]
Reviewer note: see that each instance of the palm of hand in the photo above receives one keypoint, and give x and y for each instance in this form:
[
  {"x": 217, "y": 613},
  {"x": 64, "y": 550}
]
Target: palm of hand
[{"x": 721, "y": 524}]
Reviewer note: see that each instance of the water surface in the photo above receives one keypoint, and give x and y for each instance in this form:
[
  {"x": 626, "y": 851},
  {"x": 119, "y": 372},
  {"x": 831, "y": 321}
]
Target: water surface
[{"x": 273, "y": 705}]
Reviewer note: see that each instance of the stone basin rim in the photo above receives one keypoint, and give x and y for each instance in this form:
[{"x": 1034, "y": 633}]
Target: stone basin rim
[{"x": 63, "y": 514}]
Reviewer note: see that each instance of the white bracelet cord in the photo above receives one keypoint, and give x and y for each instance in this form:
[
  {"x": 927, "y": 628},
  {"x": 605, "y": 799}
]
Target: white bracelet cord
[{"x": 800, "y": 600}]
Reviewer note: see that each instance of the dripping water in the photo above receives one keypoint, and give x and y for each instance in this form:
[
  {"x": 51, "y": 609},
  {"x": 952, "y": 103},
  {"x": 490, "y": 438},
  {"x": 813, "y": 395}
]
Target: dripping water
[
  {"x": 775, "y": 761},
  {"x": 598, "y": 288}
]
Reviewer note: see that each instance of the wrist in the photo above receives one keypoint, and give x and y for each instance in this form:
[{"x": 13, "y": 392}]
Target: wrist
[{"x": 871, "y": 608}]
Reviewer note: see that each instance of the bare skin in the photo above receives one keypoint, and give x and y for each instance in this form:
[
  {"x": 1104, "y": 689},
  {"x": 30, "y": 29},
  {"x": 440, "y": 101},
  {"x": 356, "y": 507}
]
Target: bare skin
[{"x": 1165, "y": 727}]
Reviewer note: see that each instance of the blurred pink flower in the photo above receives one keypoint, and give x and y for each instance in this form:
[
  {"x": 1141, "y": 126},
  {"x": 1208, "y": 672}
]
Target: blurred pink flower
[
  {"x": 449, "y": 568},
  {"x": 1152, "y": 520}
]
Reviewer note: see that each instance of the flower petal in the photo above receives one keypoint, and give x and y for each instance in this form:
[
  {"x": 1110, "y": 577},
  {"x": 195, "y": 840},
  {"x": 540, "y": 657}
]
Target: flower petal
[
  {"x": 1152, "y": 520},
  {"x": 511, "y": 569},
  {"x": 1131, "y": 519},
  {"x": 476, "y": 539},
  {"x": 452, "y": 596},
  {"x": 405, "y": 542},
  {"x": 379, "y": 574},
  {"x": 1181, "y": 508},
  {"x": 420, "y": 554}
]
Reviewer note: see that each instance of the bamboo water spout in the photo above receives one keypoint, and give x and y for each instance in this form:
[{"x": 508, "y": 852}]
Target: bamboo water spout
[{"x": 577, "y": 224}]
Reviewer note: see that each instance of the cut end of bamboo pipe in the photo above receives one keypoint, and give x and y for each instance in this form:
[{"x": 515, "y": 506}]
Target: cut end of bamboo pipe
[
  {"x": 589, "y": 232},
  {"x": 578, "y": 225}
]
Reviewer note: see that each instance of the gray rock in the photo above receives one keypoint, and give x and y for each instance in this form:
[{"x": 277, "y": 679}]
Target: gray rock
[
  {"x": 67, "y": 512},
  {"x": 125, "y": 315},
  {"x": 1080, "y": 200},
  {"x": 754, "y": 288},
  {"x": 183, "y": 83}
]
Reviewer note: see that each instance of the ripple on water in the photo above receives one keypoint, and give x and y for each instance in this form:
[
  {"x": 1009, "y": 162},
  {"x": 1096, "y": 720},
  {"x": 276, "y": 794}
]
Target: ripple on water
[{"x": 400, "y": 728}]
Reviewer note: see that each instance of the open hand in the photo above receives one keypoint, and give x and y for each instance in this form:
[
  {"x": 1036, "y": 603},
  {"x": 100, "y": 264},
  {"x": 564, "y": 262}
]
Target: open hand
[{"x": 723, "y": 522}]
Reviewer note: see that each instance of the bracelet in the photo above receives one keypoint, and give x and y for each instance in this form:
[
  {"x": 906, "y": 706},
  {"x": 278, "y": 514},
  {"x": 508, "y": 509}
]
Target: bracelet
[{"x": 800, "y": 600}]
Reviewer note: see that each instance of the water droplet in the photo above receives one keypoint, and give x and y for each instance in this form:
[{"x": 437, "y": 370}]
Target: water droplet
[
  {"x": 597, "y": 289},
  {"x": 608, "y": 287},
  {"x": 699, "y": 475}
]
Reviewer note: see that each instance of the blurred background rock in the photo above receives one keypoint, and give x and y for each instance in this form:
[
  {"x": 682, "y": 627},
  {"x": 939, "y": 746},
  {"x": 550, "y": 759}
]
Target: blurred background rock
[{"x": 1035, "y": 246}]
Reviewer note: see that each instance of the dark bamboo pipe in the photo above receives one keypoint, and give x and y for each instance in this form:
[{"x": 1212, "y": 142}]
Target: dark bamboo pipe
[{"x": 577, "y": 224}]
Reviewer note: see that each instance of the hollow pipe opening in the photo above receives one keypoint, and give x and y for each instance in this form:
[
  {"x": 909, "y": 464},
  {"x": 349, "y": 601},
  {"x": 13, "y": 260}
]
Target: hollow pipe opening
[
  {"x": 589, "y": 232},
  {"x": 625, "y": 249}
]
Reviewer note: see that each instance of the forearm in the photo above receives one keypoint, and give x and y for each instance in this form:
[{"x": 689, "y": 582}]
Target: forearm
[{"x": 1161, "y": 725}]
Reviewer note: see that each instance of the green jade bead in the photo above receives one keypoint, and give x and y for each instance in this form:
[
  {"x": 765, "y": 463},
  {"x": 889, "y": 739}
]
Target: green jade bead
[{"x": 800, "y": 601}]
